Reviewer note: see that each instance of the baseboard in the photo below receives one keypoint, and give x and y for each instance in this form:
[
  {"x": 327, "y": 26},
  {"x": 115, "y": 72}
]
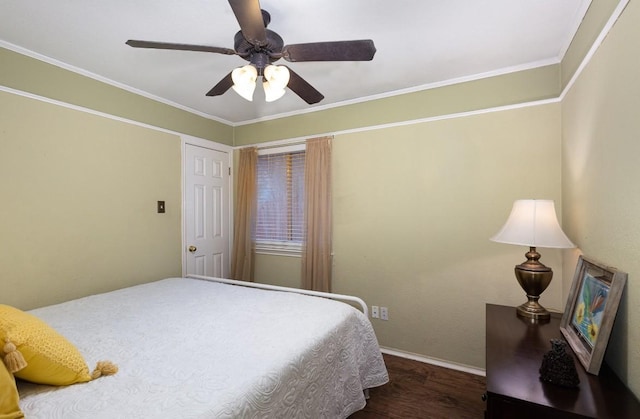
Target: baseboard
[{"x": 433, "y": 361}]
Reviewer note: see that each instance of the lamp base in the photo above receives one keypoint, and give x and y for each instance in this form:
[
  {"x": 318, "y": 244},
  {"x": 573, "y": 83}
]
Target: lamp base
[
  {"x": 533, "y": 310},
  {"x": 534, "y": 278}
]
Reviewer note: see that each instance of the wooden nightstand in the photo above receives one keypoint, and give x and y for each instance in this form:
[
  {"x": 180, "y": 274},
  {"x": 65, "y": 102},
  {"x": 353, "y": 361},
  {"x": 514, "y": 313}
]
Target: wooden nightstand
[{"x": 515, "y": 348}]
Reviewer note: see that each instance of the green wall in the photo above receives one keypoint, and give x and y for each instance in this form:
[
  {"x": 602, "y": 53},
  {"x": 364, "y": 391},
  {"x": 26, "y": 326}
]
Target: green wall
[
  {"x": 78, "y": 213},
  {"x": 26, "y": 74},
  {"x": 524, "y": 86},
  {"x": 414, "y": 207},
  {"x": 601, "y": 197}
]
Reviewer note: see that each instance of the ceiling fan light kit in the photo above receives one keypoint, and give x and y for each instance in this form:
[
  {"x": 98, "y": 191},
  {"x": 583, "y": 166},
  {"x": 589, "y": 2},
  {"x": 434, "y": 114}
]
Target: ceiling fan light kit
[
  {"x": 276, "y": 79},
  {"x": 244, "y": 81},
  {"x": 262, "y": 47}
]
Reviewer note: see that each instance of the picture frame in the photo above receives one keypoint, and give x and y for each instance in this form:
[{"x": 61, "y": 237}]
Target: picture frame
[{"x": 591, "y": 310}]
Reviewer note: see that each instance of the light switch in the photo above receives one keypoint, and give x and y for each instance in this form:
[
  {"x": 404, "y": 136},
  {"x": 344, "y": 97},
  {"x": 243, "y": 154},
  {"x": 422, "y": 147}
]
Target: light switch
[{"x": 160, "y": 207}]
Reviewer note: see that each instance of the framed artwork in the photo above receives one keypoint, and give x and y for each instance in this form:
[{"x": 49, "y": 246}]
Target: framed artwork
[{"x": 591, "y": 309}]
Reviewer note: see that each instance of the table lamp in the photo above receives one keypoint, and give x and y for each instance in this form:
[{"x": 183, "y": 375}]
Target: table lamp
[{"x": 533, "y": 223}]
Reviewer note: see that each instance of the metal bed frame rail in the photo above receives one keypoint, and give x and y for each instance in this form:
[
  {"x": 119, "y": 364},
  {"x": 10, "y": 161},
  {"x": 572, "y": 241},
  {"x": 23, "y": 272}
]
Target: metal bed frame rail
[{"x": 338, "y": 297}]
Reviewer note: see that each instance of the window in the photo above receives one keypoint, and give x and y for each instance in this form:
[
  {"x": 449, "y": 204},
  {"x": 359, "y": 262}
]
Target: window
[{"x": 280, "y": 196}]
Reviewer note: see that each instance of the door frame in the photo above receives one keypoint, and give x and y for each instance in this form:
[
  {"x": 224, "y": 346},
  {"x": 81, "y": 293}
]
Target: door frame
[{"x": 212, "y": 145}]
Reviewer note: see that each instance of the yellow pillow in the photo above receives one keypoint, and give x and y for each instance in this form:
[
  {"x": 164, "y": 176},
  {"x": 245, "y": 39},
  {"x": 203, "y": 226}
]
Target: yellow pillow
[
  {"x": 35, "y": 352},
  {"x": 9, "y": 407}
]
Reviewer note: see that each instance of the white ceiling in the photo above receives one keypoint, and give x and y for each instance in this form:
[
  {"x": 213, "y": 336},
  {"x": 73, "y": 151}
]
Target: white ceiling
[{"x": 420, "y": 43}]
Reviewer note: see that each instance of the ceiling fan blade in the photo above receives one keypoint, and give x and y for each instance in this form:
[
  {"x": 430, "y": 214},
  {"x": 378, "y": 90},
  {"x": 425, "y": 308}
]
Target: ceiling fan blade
[
  {"x": 222, "y": 86},
  {"x": 359, "y": 50},
  {"x": 250, "y": 19},
  {"x": 182, "y": 47},
  {"x": 300, "y": 87}
]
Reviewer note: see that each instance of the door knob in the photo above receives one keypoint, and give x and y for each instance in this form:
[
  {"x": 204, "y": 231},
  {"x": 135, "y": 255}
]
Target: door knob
[{"x": 192, "y": 248}]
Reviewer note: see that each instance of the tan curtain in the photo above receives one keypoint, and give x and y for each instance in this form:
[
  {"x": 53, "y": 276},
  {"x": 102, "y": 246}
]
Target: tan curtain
[
  {"x": 316, "y": 251},
  {"x": 245, "y": 214}
]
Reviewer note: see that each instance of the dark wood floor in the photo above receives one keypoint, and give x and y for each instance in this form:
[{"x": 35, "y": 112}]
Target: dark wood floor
[{"x": 419, "y": 390}]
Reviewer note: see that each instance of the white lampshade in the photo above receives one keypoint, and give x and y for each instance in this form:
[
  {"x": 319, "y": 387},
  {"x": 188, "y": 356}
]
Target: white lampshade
[
  {"x": 276, "y": 80},
  {"x": 244, "y": 81},
  {"x": 533, "y": 223}
]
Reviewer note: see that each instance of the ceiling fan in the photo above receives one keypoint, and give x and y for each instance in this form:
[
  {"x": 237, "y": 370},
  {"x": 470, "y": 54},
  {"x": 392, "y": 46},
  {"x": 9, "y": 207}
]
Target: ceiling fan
[{"x": 261, "y": 47}]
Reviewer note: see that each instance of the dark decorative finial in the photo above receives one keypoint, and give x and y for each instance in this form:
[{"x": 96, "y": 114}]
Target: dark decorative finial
[{"x": 558, "y": 367}]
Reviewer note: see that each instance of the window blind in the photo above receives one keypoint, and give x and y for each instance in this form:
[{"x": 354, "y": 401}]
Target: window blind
[{"x": 280, "y": 211}]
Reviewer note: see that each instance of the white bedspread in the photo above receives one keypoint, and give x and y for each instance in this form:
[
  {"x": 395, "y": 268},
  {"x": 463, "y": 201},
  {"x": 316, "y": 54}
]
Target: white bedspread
[{"x": 189, "y": 348}]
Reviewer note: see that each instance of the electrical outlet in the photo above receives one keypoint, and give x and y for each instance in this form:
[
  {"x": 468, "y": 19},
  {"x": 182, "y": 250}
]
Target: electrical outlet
[
  {"x": 374, "y": 312},
  {"x": 384, "y": 313}
]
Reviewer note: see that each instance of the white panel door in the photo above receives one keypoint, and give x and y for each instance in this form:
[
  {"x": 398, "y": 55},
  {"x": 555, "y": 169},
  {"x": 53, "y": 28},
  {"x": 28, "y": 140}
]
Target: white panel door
[{"x": 207, "y": 221}]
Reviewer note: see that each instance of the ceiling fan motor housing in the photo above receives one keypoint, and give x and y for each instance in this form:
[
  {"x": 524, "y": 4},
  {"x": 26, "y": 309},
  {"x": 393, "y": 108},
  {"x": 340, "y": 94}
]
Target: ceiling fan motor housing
[{"x": 259, "y": 56}]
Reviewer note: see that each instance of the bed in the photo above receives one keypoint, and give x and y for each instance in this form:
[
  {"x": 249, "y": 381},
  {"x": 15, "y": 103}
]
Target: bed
[{"x": 198, "y": 348}]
